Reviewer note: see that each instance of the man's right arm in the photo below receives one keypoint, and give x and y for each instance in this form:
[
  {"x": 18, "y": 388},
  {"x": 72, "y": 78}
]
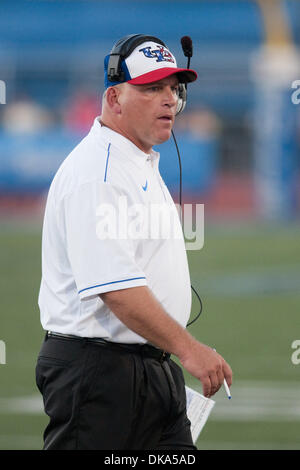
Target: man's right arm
[{"x": 141, "y": 312}]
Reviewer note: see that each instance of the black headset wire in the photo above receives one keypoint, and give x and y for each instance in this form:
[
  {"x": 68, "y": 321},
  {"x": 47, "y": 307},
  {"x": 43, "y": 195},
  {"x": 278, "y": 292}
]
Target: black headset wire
[
  {"x": 187, "y": 49},
  {"x": 180, "y": 204}
]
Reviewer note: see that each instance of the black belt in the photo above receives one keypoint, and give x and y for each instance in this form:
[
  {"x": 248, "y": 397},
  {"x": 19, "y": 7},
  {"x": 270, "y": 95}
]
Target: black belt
[{"x": 144, "y": 349}]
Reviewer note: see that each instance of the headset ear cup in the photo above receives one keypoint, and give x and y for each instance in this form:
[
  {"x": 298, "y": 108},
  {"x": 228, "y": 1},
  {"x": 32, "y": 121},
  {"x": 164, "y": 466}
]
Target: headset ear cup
[
  {"x": 181, "y": 98},
  {"x": 121, "y": 50}
]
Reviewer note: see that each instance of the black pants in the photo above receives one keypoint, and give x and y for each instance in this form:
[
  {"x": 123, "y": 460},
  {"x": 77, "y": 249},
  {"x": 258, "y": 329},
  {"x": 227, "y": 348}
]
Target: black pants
[{"x": 101, "y": 398}]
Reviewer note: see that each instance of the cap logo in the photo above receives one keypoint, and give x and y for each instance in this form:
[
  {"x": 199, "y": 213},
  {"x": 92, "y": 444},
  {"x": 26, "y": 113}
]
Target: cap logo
[{"x": 161, "y": 54}]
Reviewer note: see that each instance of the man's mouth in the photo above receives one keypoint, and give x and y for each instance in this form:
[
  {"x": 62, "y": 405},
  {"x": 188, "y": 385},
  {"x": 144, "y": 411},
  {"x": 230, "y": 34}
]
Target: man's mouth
[{"x": 166, "y": 118}]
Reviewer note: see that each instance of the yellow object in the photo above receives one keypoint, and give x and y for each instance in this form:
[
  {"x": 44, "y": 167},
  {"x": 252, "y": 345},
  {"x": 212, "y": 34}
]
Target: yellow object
[{"x": 277, "y": 28}]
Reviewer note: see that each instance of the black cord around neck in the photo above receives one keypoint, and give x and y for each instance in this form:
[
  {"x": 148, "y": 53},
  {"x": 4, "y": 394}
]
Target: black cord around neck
[{"x": 180, "y": 204}]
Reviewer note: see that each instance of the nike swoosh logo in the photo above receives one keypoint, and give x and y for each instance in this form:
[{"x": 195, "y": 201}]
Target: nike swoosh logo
[{"x": 146, "y": 186}]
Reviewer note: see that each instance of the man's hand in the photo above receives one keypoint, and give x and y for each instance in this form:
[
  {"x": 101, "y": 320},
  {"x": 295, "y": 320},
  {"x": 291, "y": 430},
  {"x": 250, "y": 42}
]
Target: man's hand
[
  {"x": 208, "y": 366},
  {"x": 140, "y": 311}
]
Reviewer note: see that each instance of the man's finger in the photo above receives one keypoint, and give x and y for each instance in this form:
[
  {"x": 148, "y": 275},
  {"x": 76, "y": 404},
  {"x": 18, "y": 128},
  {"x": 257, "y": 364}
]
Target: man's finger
[
  {"x": 206, "y": 386},
  {"x": 227, "y": 373},
  {"x": 215, "y": 385},
  {"x": 220, "y": 377}
]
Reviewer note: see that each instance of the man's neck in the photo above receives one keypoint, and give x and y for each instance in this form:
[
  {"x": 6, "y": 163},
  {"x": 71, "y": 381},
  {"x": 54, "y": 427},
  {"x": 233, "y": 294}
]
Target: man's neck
[{"x": 115, "y": 128}]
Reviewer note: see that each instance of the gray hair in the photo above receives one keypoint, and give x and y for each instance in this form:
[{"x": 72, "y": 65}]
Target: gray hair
[{"x": 104, "y": 98}]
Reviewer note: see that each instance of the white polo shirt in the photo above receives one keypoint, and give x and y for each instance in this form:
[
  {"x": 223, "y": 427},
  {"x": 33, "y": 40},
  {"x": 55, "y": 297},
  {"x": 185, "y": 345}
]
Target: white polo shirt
[{"x": 104, "y": 230}]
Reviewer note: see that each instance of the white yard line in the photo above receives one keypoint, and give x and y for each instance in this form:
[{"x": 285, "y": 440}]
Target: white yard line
[
  {"x": 257, "y": 401},
  {"x": 251, "y": 401},
  {"x": 32, "y": 404}
]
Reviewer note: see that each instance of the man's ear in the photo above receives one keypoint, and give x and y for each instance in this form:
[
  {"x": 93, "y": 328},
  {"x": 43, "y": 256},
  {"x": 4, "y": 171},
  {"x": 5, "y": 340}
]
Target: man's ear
[{"x": 112, "y": 99}]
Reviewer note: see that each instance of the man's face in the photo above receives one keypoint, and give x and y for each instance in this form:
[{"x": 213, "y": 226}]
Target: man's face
[{"x": 148, "y": 111}]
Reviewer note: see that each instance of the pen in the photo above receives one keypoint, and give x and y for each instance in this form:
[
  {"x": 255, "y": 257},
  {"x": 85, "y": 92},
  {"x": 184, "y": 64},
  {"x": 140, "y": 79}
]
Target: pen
[
  {"x": 225, "y": 383},
  {"x": 227, "y": 389}
]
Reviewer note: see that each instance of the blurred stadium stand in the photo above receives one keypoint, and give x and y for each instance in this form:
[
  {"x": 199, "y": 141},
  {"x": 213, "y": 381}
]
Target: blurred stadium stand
[{"x": 51, "y": 59}]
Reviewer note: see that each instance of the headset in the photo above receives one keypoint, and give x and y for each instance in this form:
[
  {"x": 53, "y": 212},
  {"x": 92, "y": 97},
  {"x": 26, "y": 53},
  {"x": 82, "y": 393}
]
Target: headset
[{"x": 120, "y": 51}]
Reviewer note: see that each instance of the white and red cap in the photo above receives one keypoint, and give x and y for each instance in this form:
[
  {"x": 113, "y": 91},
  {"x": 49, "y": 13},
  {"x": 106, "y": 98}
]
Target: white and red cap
[{"x": 147, "y": 63}]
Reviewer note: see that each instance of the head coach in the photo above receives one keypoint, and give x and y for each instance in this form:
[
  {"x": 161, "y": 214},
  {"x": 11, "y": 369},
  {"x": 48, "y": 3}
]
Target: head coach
[{"x": 115, "y": 307}]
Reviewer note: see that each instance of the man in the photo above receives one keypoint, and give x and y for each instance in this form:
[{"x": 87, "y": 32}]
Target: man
[{"x": 114, "y": 303}]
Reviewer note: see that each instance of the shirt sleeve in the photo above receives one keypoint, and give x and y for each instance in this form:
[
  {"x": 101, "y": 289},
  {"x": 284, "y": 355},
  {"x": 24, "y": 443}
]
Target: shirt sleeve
[{"x": 101, "y": 255}]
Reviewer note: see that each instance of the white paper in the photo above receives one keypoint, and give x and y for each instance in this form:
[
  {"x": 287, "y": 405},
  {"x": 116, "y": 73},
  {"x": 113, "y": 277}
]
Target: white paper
[{"x": 198, "y": 410}]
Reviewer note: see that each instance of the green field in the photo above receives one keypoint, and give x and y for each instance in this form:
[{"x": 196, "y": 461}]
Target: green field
[{"x": 249, "y": 279}]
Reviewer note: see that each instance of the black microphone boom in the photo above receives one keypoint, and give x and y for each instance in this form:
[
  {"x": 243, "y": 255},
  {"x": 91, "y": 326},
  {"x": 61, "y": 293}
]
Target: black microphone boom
[{"x": 187, "y": 47}]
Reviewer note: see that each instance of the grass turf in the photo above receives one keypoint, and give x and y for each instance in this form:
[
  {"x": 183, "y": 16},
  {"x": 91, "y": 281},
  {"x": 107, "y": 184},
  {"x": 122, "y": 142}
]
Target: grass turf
[{"x": 251, "y": 324}]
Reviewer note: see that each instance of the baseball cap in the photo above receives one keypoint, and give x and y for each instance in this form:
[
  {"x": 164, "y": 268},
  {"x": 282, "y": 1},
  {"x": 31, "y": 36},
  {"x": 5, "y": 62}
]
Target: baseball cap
[{"x": 149, "y": 62}]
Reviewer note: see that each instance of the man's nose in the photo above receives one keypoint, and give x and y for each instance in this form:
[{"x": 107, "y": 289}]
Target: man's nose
[{"x": 170, "y": 96}]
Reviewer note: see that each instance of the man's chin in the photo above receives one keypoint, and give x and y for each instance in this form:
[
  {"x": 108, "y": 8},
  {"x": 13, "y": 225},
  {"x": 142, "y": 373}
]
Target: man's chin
[{"x": 163, "y": 137}]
